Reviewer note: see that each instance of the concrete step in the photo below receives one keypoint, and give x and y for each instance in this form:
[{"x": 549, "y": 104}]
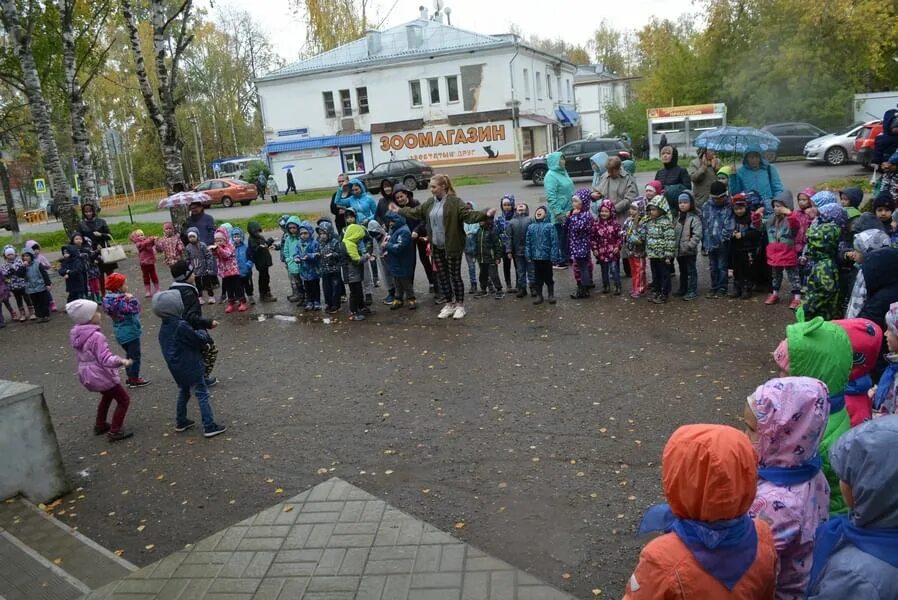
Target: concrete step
[{"x": 43, "y": 558}]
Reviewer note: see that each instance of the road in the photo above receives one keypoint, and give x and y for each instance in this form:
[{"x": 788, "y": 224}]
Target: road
[{"x": 795, "y": 175}]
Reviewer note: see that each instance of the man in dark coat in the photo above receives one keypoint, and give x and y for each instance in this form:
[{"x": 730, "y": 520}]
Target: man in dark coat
[{"x": 291, "y": 184}]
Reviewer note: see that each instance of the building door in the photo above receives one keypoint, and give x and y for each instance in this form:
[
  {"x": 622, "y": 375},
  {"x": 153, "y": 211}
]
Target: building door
[{"x": 527, "y": 142}]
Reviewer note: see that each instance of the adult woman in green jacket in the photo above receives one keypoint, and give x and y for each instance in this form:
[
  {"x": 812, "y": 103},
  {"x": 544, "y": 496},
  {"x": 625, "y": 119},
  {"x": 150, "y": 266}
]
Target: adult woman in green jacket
[
  {"x": 559, "y": 190},
  {"x": 445, "y": 214}
]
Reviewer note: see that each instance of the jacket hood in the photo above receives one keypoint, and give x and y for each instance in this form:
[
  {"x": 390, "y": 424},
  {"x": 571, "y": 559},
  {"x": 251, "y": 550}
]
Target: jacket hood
[
  {"x": 674, "y": 159},
  {"x": 822, "y": 241},
  {"x": 871, "y": 240},
  {"x": 326, "y": 227},
  {"x": 253, "y": 228},
  {"x": 755, "y": 149},
  {"x": 506, "y": 199},
  {"x": 820, "y": 349},
  {"x": 293, "y": 220},
  {"x": 599, "y": 161},
  {"x": 784, "y": 198},
  {"x": 609, "y": 204},
  {"x": 376, "y": 229},
  {"x": 194, "y": 231},
  {"x": 237, "y": 232},
  {"x": 866, "y": 343},
  {"x": 824, "y": 197},
  {"x": 866, "y": 222},
  {"x": 545, "y": 214},
  {"x": 855, "y": 196},
  {"x": 585, "y": 195},
  {"x": 553, "y": 161},
  {"x": 832, "y": 213},
  {"x": 358, "y": 182},
  {"x": 79, "y": 334},
  {"x": 395, "y": 218},
  {"x": 791, "y": 414},
  {"x": 401, "y": 188},
  {"x": 354, "y": 233},
  {"x": 628, "y": 166},
  {"x": 709, "y": 472},
  {"x": 307, "y": 227},
  {"x": 168, "y": 304},
  {"x": 864, "y": 459},
  {"x": 71, "y": 249},
  {"x": 880, "y": 269},
  {"x": 659, "y": 202}
]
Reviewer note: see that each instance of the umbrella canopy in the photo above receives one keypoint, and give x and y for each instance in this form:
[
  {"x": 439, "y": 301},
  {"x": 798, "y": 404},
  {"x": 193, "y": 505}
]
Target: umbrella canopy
[
  {"x": 183, "y": 199},
  {"x": 736, "y": 140},
  {"x": 285, "y": 167}
]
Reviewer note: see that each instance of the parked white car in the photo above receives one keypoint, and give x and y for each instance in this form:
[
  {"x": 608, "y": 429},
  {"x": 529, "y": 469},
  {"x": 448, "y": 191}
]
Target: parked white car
[{"x": 832, "y": 148}]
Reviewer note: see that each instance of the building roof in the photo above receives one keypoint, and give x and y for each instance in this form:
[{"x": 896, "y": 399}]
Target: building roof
[
  {"x": 328, "y": 141},
  {"x": 398, "y": 43},
  {"x": 597, "y": 74}
]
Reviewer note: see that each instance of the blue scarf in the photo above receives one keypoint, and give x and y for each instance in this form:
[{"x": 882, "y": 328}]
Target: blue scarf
[
  {"x": 726, "y": 550},
  {"x": 885, "y": 384},
  {"x": 786, "y": 476},
  {"x": 836, "y": 403},
  {"x": 859, "y": 386},
  {"x": 879, "y": 543}
]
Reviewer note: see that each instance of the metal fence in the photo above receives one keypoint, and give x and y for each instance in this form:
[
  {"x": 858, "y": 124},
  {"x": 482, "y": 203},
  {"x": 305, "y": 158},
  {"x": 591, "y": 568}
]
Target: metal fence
[{"x": 144, "y": 197}]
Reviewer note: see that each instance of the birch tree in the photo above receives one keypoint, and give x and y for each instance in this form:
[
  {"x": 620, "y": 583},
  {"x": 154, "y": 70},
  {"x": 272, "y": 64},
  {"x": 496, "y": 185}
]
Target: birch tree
[{"x": 19, "y": 24}]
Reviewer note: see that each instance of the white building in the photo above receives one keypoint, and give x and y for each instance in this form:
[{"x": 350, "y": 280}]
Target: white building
[
  {"x": 595, "y": 90},
  {"x": 422, "y": 90}
]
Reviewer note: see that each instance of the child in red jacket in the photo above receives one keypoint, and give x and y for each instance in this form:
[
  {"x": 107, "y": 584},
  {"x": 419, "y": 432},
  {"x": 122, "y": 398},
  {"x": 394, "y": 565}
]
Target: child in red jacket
[
  {"x": 782, "y": 228},
  {"x": 146, "y": 254}
]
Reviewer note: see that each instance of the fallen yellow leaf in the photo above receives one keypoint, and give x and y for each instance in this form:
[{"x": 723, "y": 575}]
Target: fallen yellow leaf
[
  {"x": 388, "y": 472},
  {"x": 269, "y": 480},
  {"x": 57, "y": 561},
  {"x": 160, "y": 477},
  {"x": 141, "y": 527},
  {"x": 460, "y": 525},
  {"x": 288, "y": 508},
  {"x": 565, "y": 575},
  {"x": 279, "y": 491},
  {"x": 119, "y": 552},
  {"x": 149, "y": 546},
  {"x": 596, "y": 592}
]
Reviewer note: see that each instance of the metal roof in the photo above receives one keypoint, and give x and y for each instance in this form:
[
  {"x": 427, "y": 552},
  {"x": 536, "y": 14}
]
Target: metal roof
[
  {"x": 328, "y": 141},
  {"x": 435, "y": 38}
]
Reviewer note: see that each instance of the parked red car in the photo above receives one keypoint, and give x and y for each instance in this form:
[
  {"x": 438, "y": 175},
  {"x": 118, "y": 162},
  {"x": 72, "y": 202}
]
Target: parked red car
[
  {"x": 863, "y": 143},
  {"x": 228, "y": 191}
]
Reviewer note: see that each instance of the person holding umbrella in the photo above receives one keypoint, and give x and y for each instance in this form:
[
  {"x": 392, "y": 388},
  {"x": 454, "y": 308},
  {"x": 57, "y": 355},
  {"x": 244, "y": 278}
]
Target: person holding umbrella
[
  {"x": 759, "y": 175},
  {"x": 291, "y": 184}
]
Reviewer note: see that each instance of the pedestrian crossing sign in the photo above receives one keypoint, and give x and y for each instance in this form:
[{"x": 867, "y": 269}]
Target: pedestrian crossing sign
[{"x": 40, "y": 186}]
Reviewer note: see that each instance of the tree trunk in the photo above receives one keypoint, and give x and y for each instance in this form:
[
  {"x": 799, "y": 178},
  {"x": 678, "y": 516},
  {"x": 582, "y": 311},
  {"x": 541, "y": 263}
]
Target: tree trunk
[
  {"x": 10, "y": 203},
  {"x": 40, "y": 116},
  {"x": 80, "y": 138}
]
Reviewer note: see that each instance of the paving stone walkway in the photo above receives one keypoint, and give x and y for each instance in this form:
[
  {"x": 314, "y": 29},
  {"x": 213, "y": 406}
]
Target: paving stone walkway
[{"x": 332, "y": 542}]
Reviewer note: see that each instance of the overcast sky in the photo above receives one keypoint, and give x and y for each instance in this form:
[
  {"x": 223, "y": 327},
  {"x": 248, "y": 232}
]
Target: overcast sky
[{"x": 574, "y": 20}]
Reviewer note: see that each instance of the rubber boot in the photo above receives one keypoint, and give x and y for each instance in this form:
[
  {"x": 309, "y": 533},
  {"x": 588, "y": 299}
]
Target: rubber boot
[
  {"x": 31, "y": 315},
  {"x": 538, "y": 294},
  {"x": 551, "y": 298},
  {"x": 580, "y": 293},
  {"x": 617, "y": 289},
  {"x": 147, "y": 292},
  {"x": 606, "y": 288}
]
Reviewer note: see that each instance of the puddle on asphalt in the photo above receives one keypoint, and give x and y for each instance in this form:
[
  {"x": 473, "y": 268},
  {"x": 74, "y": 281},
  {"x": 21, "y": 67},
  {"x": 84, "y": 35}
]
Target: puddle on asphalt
[{"x": 288, "y": 318}]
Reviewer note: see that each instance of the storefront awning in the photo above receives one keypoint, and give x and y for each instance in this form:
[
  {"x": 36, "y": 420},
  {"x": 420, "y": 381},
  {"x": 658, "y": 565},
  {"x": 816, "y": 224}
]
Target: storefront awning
[
  {"x": 328, "y": 141},
  {"x": 567, "y": 116},
  {"x": 536, "y": 119}
]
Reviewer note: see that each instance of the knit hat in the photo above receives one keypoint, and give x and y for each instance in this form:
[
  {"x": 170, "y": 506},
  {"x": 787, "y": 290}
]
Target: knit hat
[
  {"x": 892, "y": 318},
  {"x": 656, "y": 186},
  {"x": 684, "y": 197},
  {"x": 824, "y": 197},
  {"x": 784, "y": 198},
  {"x": 32, "y": 244},
  {"x": 854, "y": 194},
  {"x": 181, "y": 271},
  {"x": 718, "y": 189},
  {"x": 629, "y": 166},
  {"x": 884, "y": 199},
  {"x": 739, "y": 200},
  {"x": 81, "y": 311},
  {"x": 726, "y": 171},
  {"x": 819, "y": 349},
  {"x": 115, "y": 281},
  {"x": 193, "y": 231},
  {"x": 639, "y": 205},
  {"x": 9, "y": 250}
]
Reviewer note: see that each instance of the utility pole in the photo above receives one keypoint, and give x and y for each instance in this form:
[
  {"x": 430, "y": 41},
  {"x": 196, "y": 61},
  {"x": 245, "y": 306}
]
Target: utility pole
[{"x": 201, "y": 172}]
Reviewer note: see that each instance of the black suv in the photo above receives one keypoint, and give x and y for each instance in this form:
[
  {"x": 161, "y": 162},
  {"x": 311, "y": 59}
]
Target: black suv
[
  {"x": 413, "y": 174},
  {"x": 793, "y": 137},
  {"x": 576, "y": 156}
]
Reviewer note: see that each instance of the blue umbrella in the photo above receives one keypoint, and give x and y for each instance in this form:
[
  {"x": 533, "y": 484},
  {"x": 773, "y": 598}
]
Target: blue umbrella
[
  {"x": 736, "y": 140},
  {"x": 285, "y": 167}
]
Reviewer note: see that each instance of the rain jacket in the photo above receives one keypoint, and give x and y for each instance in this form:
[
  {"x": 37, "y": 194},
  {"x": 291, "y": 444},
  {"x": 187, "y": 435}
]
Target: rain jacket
[
  {"x": 289, "y": 246},
  {"x": 559, "y": 188},
  {"x": 750, "y": 240},
  {"x": 660, "y": 237},
  {"x": 353, "y": 269},
  {"x": 517, "y": 233},
  {"x": 205, "y": 226},
  {"x": 224, "y": 252},
  {"x": 181, "y": 345},
  {"x": 688, "y": 229},
  {"x": 820, "y": 296},
  {"x": 400, "y": 248},
  {"x": 242, "y": 252},
  {"x": 880, "y": 271},
  {"x": 674, "y": 178},
  {"x": 200, "y": 258},
  {"x": 146, "y": 248},
  {"x": 170, "y": 245},
  {"x": 259, "y": 247},
  {"x": 97, "y": 365},
  {"x": 718, "y": 224},
  {"x": 598, "y": 162},
  {"x": 74, "y": 269},
  {"x": 886, "y": 143},
  {"x": 124, "y": 311},
  {"x": 503, "y": 220},
  {"x": 864, "y": 458},
  {"x": 709, "y": 474},
  {"x": 471, "y": 230},
  {"x": 455, "y": 215},
  {"x": 193, "y": 310},
  {"x": 308, "y": 253},
  {"x": 331, "y": 256},
  {"x": 542, "y": 241},
  {"x": 765, "y": 179},
  {"x": 363, "y": 204},
  {"x": 781, "y": 232},
  {"x": 621, "y": 190},
  {"x": 606, "y": 236},
  {"x": 14, "y": 273},
  {"x": 37, "y": 279},
  {"x": 866, "y": 344},
  {"x": 488, "y": 246},
  {"x": 579, "y": 233},
  {"x": 793, "y": 495},
  {"x": 634, "y": 234}
]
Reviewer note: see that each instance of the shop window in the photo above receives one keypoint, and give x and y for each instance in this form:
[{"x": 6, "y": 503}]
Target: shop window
[
  {"x": 361, "y": 98},
  {"x": 353, "y": 160},
  {"x": 433, "y": 85},
  {"x": 526, "y": 84},
  {"x": 415, "y": 88},
  {"x": 452, "y": 88},
  {"x": 346, "y": 103},
  {"x": 329, "y": 110}
]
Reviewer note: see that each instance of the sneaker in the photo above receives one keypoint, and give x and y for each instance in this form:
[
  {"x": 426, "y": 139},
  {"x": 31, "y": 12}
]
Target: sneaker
[
  {"x": 44, "y": 320},
  {"x": 712, "y": 295},
  {"x": 366, "y": 311},
  {"x": 137, "y": 382},
  {"x": 690, "y": 296},
  {"x": 316, "y": 306},
  {"x": 332, "y": 310},
  {"x": 440, "y": 300},
  {"x": 447, "y": 311},
  {"x": 795, "y": 303},
  {"x": 472, "y": 290},
  {"x": 214, "y": 430},
  {"x": 209, "y": 301},
  {"x": 293, "y": 298},
  {"x": 269, "y": 299},
  {"x": 211, "y": 382},
  {"x": 479, "y": 294},
  {"x": 658, "y": 299},
  {"x": 117, "y": 436},
  {"x": 411, "y": 303},
  {"x": 460, "y": 312},
  {"x": 773, "y": 298},
  {"x": 229, "y": 308},
  {"x": 32, "y": 317},
  {"x": 188, "y": 424},
  {"x": 521, "y": 293},
  {"x": 101, "y": 429},
  {"x": 243, "y": 307},
  {"x": 307, "y": 306},
  {"x": 559, "y": 267},
  {"x": 499, "y": 295},
  {"x": 357, "y": 317},
  {"x": 396, "y": 304},
  {"x": 389, "y": 300}
]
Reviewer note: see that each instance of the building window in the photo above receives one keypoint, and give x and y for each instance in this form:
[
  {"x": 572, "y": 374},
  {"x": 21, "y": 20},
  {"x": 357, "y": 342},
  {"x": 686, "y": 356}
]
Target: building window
[
  {"x": 558, "y": 85},
  {"x": 452, "y": 88},
  {"x": 434, "y": 86},
  {"x": 539, "y": 86},
  {"x": 361, "y": 98},
  {"x": 549, "y": 85},
  {"x": 353, "y": 160},
  {"x": 568, "y": 83},
  {"x": 415, "y": 87},
  {"x": 329, "y": 110},
  {"x": 346, "y": 103},
  {"x": 526, "y": 84}
]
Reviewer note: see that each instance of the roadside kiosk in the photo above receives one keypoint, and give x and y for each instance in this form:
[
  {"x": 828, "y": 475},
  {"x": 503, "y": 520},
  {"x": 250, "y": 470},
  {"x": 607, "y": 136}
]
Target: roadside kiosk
[{"x": 682, "y": 124}]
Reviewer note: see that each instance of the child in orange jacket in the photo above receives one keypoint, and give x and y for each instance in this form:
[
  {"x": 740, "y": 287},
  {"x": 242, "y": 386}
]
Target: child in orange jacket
[{"x": 711, "y": 549}]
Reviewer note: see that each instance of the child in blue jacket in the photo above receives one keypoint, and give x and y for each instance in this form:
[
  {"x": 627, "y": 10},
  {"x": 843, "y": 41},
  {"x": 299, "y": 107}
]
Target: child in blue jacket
[
  {"x": 543, "y": 250},
  {"x": 124, "y": 311},
  {"x": 244, "y": 262},
  {"x": 306, "y": 256},
  {"x": 401, "y": 263}
]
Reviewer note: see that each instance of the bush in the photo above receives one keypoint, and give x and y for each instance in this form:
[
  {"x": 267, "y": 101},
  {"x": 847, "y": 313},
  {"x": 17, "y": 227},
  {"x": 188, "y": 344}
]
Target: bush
[{"x": 251, "y": 173}]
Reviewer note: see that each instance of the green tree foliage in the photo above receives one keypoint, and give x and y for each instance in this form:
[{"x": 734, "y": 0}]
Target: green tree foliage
[{"x": 253, "y": 169}]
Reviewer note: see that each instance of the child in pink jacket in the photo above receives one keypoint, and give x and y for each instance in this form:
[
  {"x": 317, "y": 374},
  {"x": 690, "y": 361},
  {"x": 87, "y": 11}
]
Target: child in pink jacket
[
  {"x": 170, "y": 245},
  {"x": 781, "y": 227},
  {"x": 229, "y": 271},
  {"x": 146, "y": 254},
  {"x": 98, "y": 368}
]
